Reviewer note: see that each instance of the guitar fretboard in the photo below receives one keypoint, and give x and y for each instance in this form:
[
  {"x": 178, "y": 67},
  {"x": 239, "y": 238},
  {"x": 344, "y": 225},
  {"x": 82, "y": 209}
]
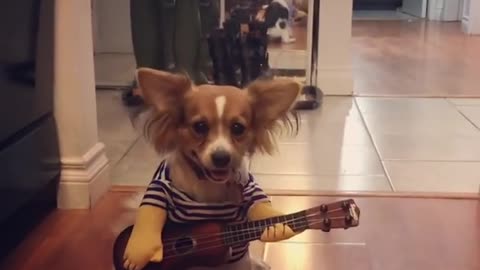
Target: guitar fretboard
[{"x": 250, "y": 231}]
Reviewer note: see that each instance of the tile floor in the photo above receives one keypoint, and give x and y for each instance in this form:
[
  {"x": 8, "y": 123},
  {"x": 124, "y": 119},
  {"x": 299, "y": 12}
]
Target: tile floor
[{"x": 361, "y": 144}]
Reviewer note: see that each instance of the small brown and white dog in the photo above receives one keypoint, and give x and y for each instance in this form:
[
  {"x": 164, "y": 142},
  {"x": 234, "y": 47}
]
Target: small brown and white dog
[{"x": 207, "y": 133}]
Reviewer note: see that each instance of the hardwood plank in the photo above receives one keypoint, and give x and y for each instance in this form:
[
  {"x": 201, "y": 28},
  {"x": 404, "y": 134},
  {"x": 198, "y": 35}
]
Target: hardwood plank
[
  {"x": 395, "y": 233},
  {"x": 427, "y": 59}
]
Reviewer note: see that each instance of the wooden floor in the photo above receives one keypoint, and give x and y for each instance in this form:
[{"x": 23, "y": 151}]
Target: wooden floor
[
  {"x": 428, "y": 59},
  {"x": 394, "y": 234},
  {"x": 299, "y": 33},
  {"x": 414, "y": 59}
]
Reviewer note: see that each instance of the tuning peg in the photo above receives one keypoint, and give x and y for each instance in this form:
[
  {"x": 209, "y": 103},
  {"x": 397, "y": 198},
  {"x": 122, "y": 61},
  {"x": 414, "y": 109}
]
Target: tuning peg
[
  {"x": 323, "y": 208},
  {"x": 326, "y": 223}
]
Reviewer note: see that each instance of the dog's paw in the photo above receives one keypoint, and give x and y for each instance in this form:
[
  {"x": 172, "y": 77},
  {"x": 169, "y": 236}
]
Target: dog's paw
[{"x": 276, "y": 233}]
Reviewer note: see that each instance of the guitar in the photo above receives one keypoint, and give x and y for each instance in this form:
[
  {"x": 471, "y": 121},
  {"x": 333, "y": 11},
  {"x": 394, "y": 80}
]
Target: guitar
[{"x": 207, "y": 244}]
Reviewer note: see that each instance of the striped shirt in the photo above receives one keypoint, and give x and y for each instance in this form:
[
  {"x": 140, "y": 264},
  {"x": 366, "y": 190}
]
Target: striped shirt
[{"x": 181, "y": 208}]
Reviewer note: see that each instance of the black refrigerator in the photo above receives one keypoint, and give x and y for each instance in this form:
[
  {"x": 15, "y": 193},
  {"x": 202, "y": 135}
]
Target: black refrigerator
[{"x": 29, "y": 152}]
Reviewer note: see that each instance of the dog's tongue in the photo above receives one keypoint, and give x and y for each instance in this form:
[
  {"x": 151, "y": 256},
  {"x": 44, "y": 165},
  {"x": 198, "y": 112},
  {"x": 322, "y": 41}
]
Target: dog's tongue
[{"x": 220, "y": 175}]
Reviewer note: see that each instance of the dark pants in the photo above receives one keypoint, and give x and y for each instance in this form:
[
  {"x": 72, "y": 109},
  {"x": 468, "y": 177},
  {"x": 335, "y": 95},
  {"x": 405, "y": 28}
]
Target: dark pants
[{"x": 170, "y": 34}]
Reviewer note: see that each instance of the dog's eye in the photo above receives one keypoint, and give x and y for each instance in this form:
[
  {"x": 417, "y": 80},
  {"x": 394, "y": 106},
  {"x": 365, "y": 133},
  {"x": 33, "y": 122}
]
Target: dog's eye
[
  {"x": 237, "y": 129},
  {"x": 200, "y": 128}
]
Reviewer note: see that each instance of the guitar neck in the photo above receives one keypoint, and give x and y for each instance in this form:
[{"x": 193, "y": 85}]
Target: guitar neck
[
  {"x": 340, "y": 214},
  {"x": 250, "y": 231}
]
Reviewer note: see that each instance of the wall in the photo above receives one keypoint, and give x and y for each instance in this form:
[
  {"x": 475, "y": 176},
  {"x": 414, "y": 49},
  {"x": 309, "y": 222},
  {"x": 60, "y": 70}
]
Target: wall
[
  {"x": 445, "y": 10},
  {"x": 471, "y": 17},
  {"x": 112, "y": 31},
  {"x": 85, "y": 175}
]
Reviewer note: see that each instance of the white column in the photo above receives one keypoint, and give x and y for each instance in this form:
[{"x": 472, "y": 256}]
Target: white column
[
  {"x": 334, "y": 76},
  {"x": 84, "y": 163}
]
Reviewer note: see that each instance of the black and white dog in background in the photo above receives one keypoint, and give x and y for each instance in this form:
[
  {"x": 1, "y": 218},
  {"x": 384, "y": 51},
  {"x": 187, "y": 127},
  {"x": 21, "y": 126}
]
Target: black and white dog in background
[{"x": 278, "y": 19}]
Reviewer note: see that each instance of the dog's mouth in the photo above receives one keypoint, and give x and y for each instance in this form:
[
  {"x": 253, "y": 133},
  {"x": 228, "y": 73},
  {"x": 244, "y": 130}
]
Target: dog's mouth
[
  {"x": 218, "y": 175},
  {"x": 215, "y": 175}
]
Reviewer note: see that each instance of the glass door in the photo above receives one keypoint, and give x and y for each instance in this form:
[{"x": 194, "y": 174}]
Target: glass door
[{"x": 291, "y": 37}]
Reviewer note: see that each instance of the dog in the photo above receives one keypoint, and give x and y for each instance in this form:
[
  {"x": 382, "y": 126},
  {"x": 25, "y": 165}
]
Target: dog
[
  {"x": 207, "y": 134},
  {"x": 278, "y": 17}
]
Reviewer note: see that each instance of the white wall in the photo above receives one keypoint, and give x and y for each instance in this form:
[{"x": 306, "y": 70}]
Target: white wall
[
  {"x": 84, "y": 176},
  {"x": 471, "y": 17},
  {"x": 445, "y": 10},
  {"x": 112, "y": 31}
]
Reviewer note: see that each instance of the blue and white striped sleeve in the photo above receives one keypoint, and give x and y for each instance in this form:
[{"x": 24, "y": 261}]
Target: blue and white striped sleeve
[
  {"x": 156, "y": 195},
  {"x": 252, "y": 193}
]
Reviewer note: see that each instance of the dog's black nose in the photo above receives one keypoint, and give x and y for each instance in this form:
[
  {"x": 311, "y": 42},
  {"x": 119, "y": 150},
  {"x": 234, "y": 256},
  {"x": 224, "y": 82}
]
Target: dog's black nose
[
  {"x": 282, "y": 25},
  {"x": 221, "y": 159}
]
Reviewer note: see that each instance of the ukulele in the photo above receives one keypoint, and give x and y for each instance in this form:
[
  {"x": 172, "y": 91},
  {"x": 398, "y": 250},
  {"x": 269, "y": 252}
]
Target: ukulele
[{"x": 207, "y": 244}]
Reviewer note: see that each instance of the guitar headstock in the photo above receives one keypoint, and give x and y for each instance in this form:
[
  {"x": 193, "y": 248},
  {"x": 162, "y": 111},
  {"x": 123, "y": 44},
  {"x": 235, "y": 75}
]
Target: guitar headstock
[{"x": 341, "y": 214}]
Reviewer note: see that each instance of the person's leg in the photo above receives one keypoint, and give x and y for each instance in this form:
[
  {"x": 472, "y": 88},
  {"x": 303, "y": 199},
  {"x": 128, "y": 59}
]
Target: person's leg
[
  {"x": 187, "y": 38},
  {"x": 167, "y": 32},
  {"x": 147, "y": 45},
  {"x": 209, "y": 19},
  {"x": 145, "y": 24}
]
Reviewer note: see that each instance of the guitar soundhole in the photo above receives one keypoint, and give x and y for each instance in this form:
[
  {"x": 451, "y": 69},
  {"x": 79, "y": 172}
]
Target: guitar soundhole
[{"x": 184, "y": 245}]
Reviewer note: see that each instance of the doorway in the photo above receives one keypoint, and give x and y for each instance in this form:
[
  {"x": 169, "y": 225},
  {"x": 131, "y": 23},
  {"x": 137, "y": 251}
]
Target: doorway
[{"x": 389, "y": 9}]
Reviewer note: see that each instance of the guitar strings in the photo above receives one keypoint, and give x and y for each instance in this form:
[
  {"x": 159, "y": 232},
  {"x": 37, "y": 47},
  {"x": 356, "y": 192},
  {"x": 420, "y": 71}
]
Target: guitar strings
[
  {"x": 169, "y": 241},
  {"x": 172, "y": 249},
  {"x": 204, "y": 249},
  {"x": 254, "y": 228},
  {"x": 230, "y": 237}
]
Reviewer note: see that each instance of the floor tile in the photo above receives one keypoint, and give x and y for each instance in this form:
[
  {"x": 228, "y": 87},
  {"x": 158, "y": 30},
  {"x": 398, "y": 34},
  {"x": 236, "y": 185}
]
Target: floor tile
[
  {"x": 472, "y": 113},
  {"x": 445, "y": 177},
  {"x": 412, "y": 116},
  {"x": 336, "y": 122},
  {"x": 314, "y": 184},
  {"x": 291, "y": 256},
  {"x": 114, "y": 127},
  {"x": 428, "y": 147},
  {"x": 419, "y": 129},
  {"x": 117, "y": 149},
  {"x": 311, "y": 159},
  {"x": 332, "y": 141},
  {"x": 137, "y": 167},
  {"x": 465, "y": 101},
  {"x": 113, "y": 117}
]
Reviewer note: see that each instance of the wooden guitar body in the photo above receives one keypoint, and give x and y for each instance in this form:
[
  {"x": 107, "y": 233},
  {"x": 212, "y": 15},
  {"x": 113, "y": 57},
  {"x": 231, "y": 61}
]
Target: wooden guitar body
[{"x": 183, "y": 246}]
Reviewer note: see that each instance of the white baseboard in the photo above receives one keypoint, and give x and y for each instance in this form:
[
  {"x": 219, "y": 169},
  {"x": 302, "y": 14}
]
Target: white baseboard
[{"x": 84, "y": 179}]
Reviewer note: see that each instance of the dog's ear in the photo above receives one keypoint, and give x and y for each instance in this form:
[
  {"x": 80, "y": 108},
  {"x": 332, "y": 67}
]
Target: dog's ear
[
  {"x": 272, "y": 103},
  {"x": 161, "y": 89},
  {"x": 164, "y": 92}
]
